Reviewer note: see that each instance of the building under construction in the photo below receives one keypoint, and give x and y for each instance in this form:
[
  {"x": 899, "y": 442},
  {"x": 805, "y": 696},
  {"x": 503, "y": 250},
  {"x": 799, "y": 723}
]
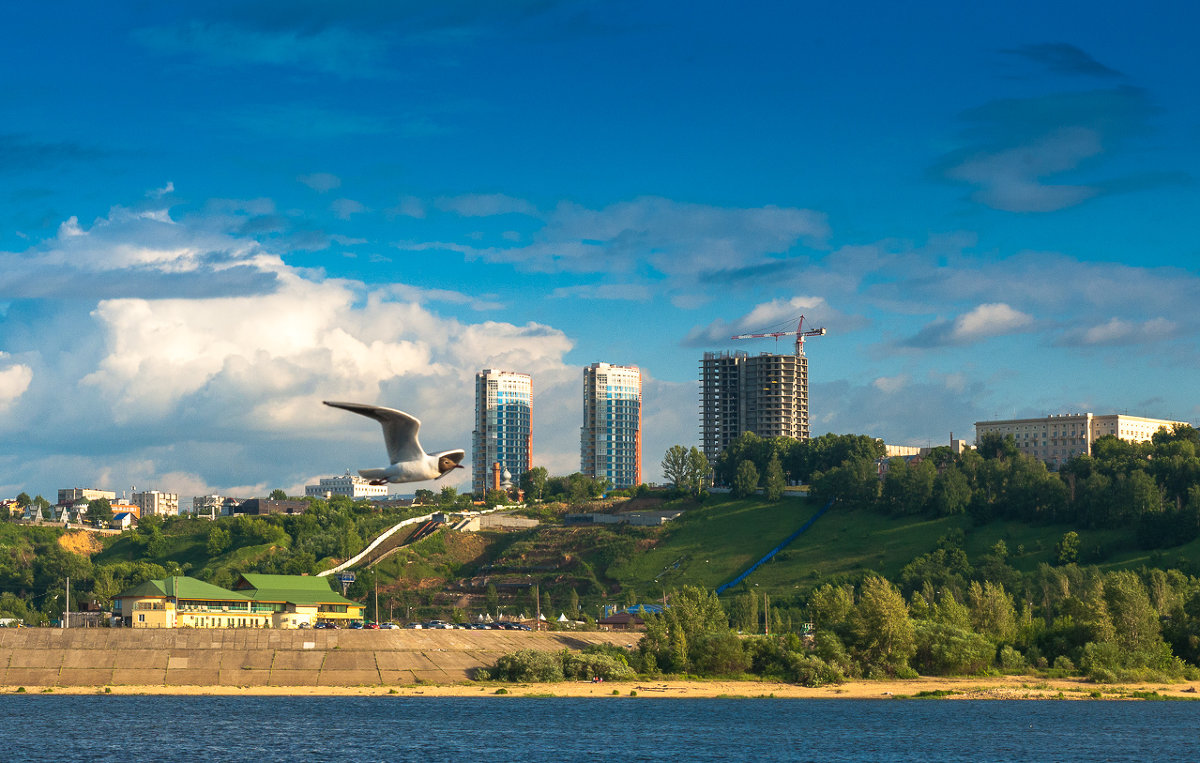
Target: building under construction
[{"x": 766, "y": 394}]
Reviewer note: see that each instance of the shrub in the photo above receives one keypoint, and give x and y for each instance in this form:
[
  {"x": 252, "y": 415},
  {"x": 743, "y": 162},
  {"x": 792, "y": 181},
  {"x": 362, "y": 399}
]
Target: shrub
[
  {"x": 587, "y": 666},
  {"x": 1011, "y": 661},
  {"x": 529, "y": 665}
]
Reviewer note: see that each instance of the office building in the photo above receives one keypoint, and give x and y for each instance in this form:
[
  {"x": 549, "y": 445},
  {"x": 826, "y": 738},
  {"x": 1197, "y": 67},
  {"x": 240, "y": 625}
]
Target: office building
[
  {"x": 503, "y": 426},
  {"x": 765, "y": 394},
  {"x": 349, "y": 485},
  {"x": 611, "y": 436},
  {"x": 1056, "y": 438}
]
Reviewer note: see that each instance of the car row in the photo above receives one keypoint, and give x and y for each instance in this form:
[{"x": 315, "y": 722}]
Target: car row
[{"x": 443, "y": 625}]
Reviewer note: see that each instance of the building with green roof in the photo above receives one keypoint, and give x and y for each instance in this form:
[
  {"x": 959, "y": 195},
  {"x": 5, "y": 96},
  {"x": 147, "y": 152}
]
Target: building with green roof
[{"x": 260, "y": 601}]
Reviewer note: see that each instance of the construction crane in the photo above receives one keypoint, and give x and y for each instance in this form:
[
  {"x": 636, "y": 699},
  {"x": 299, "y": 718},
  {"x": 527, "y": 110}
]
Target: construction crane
[{"x": 799, "y": 332}]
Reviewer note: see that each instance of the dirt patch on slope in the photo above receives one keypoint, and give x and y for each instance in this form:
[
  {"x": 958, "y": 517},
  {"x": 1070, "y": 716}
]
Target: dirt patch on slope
[{"x": 80, "y": 542}]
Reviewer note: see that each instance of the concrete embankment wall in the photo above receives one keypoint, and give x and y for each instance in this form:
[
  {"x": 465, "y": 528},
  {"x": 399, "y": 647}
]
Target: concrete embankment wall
[{"x": 230, "y": 657}]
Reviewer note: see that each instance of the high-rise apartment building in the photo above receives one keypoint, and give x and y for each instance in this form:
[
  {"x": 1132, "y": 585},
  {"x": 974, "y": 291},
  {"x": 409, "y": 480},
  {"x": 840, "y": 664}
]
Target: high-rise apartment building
[
  {"x": 765, "y": 394},
  {"x": 503, "y": 425},
  {"x": 1056, "y": 438},
  {"x": 611, "y": 436}
]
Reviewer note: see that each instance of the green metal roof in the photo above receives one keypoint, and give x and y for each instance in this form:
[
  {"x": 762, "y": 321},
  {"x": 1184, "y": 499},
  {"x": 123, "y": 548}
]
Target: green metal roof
[
  {"x": 294, "y": 589},
  {"x": 182, "y": 587}
]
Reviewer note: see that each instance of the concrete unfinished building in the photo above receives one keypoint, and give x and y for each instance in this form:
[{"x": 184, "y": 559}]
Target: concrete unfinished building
[{"x": 765, "y": 394}]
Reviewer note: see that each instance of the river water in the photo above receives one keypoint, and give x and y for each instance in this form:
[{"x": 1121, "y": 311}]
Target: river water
[{"x": 504, "y": 729}]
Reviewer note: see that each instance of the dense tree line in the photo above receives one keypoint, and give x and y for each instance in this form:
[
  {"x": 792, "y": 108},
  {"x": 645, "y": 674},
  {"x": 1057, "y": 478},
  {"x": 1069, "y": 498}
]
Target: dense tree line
[{"x": 1152, "y": 489}]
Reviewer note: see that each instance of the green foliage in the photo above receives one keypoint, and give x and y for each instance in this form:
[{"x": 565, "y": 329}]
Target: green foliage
[
  {"x": 533, "y": 483},
  {"x": 745, "y": 482},
  {"x": 99, "y": 510},
  {"x": 529, "y": 665},
  {"x": 692, "y": 635},
  {"x": 1067, "y": 550},
  {"x": 882, "y": 635},
  {"x": 776, "y": 482}
]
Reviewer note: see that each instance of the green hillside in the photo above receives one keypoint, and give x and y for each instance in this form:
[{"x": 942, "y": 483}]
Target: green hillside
[{"x": 714, "y": 543}]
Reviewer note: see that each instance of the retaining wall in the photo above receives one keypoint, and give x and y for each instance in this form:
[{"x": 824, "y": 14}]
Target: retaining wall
[{"x": 233, "y": 657}]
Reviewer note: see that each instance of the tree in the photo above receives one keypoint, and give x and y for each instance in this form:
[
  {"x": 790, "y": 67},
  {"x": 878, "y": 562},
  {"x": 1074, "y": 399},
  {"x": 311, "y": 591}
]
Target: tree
[
  {"x": 23, "y": 500},
  {"x": 533, "y": 482},
  {"x": 278, "y": 495},
  {"x": 686, "y": 469},
  {"x": 423, "y": 496},
  {"x": 218, "y": 540},
  {"x": 776, "y": 482},
  {"x": 675, "y": 465},
  {"x": 1067, "y": 550},
  {"x": 99, "y": 510},
  {"x": 495, "y": 498},
  {"x": 882, "y": 633},
  {"x": 697, "y": 469},
  {"x": 745, "y": 482}
]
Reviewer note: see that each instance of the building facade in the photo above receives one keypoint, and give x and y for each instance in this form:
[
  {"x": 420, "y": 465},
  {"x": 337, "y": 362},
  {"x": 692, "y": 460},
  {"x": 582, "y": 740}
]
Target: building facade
[
  {"x": 503, "y": 425},
  {"x": 349, "y": 485},
  {"x": 155, "y": 502},
  {"x": 765, "y": 394},
  {"x": 1056, "y": 438},
  {"x": 257, "y": 601},
  {"x": 611, "y": 436},
  {"x": 72, "y": 494}
]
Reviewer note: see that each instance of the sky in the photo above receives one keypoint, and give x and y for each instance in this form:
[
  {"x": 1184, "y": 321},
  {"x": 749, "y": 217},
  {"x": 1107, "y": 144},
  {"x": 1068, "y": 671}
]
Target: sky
[{"x": 217, "y": 215}]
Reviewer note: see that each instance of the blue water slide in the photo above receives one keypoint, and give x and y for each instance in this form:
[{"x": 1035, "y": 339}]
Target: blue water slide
[{"x": 777, "y": 549}]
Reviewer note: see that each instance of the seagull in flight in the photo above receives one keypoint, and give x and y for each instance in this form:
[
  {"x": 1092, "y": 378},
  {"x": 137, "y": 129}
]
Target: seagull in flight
[{"x": 409, "y": 462}]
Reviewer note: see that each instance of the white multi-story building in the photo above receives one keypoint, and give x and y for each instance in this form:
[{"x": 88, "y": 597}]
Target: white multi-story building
[
  {"x": 349, "y": 485},
  {"x": 611, "y": 437},
  {"x": 1056, "y": 438},
  {"x": 73, "y": 494},
  {"x": 503, "y": 426},
  {"x": 155, "y": 502}
]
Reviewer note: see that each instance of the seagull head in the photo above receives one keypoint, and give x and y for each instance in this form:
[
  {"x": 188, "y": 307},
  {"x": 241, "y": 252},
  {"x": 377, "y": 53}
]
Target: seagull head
[{"x": 448, "y": 461}]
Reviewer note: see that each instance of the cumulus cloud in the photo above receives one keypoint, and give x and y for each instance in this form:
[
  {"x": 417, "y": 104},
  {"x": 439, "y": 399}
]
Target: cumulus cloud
[
  {"x": 983, "y": 322},
  {"x": 777, "y": 315},
  {"x": 15, "y": 378},
  {"x": 224, "y": 389}
]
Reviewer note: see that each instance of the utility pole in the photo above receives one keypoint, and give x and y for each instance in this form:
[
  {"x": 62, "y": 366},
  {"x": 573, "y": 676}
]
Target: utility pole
[
  {"x": 67, "y": 606},
  {"x": 537, "y": 596},
  {"x": 376, "y": 576}
]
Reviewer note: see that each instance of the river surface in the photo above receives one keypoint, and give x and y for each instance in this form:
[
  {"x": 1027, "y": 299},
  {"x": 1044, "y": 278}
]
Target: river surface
[{"x": 514, "y": 729}]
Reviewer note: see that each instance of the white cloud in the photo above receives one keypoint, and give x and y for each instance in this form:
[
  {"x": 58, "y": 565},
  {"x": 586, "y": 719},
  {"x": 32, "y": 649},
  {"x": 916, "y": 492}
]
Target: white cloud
[
  {"x": 984, "y": 321},
  {"x": 781, "y": 314},
  {"x": 1117, "y": 331},
  {"x": 14, "y": 380}
]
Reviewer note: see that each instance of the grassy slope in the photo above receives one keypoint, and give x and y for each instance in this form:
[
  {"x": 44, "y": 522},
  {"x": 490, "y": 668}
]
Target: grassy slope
[{"x": 714, "y": 544}]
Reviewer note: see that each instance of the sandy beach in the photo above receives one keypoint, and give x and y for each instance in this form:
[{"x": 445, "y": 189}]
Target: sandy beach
[{"x": 996, "y": 688}]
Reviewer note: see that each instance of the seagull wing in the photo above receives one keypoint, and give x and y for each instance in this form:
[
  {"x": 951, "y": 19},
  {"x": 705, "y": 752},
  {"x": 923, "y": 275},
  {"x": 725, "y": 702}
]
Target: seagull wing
[{"x": 399, "y": 429}]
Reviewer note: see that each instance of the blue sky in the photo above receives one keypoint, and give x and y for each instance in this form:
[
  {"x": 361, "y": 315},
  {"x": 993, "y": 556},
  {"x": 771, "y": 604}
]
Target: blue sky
[{"x": 216, "y": 215}]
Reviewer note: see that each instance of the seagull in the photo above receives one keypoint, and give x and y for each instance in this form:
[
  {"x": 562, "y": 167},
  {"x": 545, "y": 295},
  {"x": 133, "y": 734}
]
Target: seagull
[{"x": 409, "y": 462}]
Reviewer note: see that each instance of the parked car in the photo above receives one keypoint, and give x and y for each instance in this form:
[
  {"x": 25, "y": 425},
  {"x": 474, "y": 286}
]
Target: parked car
[
  {"x": 326, "y": 626},
  {"x": 371, "y": 626},
  {"x": 356, "y": 625},
  {"x": 414, "y": 626},
  {"x": 388, "y": 626}
]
